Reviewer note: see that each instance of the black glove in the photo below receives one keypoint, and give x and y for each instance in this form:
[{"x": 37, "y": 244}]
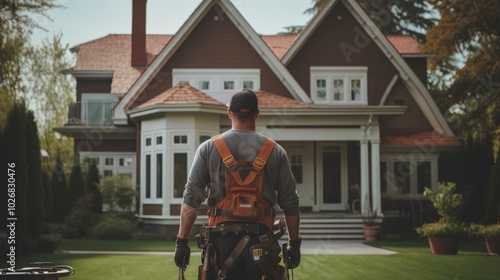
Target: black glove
[
  {"x": 182, "y": 252},
  {"x": 293, "y": 251}
]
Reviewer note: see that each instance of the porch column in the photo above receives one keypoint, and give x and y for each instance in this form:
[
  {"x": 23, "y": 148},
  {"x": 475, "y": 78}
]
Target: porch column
[
  {"x": 364, "y": 174},
  {"x": 375, "y": 157}
]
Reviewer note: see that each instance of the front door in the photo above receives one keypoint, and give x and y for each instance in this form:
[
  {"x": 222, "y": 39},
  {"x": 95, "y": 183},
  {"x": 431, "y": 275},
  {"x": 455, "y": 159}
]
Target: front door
[{"x": 331, "y": 175}]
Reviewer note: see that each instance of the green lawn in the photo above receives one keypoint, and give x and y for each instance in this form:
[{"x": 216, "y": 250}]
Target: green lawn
[{"x": 414, "y": 261}]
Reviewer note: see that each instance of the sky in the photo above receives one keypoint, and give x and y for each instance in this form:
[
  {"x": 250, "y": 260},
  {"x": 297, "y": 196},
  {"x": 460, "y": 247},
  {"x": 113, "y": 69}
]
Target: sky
[{"x": 81, "y": 21}]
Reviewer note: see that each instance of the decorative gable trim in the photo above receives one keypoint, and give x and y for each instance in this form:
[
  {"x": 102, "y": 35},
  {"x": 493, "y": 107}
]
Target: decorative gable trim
[
  {"x": 413, "y": 84},
  {"x": 120, "y": 117}
]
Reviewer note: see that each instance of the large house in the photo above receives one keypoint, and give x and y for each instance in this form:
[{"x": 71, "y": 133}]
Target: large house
[{"x": 348, "y": 103}]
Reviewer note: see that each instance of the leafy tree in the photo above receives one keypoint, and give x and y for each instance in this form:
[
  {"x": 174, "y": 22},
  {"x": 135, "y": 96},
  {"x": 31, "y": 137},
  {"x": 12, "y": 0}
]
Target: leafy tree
[
  {"x": 92, "y": 185},
  {"x": 76, "y": 186},
  {"x": 18, "y": 20},
  {"x": 50, "y": 93},
  {"x": 59, "y": 192},
  {"x": 466, "y": 66},
  {"x": 34, "y": 193},
  {"x": 407, "y": 17}
]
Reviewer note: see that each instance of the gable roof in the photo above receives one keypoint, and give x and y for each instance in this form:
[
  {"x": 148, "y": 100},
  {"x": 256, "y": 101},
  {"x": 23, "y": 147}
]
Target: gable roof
[
  {"x": 230, "y": 11},
  {"x": 110, "y": 55},
  {"x": 416, "y": 88}
]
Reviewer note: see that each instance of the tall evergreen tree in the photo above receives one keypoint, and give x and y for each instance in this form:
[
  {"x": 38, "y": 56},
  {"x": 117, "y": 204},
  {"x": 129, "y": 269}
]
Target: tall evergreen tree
[
  {"x": 15, "y": 152},
  {"x": 92, "y": 183},
  {"x": 407, "y": 17},
  {"x": 493, "y": 194},
  {"x": 76, "y": 186},
  {"x": 47, "y": 197},
  {"x": 59, "y": 192},
  {"x": 34, "y": 193}
]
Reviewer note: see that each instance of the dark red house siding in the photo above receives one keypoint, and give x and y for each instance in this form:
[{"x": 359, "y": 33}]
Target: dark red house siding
[
  {"x": 419, "y": 67},
  {"x": 413, "y": 121},
  {"x": 97, "y": 145},
  {"x": 92, "y": 86},
  {"x": 215, "y": 44},
  {"x": 324, "y": 48}
]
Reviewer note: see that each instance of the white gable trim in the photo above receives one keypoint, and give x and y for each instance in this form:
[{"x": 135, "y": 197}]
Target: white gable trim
[
  {"x": 414, "y": 85},
  {"x": 267, "y": 55},
  {"x": 272, "y": 61}
]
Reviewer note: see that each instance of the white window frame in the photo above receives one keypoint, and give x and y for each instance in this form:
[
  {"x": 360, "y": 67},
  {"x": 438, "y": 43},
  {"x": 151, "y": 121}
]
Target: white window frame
[
  {"x": 154, "y": 149},
  {"x": 413, "y": 160},
  {"x": 347, "y": 74},
  {"x": 217, "y": 77}
]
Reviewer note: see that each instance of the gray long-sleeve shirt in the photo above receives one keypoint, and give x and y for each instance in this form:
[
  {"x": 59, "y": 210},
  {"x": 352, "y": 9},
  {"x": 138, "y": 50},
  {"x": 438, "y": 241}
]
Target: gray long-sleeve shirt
[{"x": 207, "y": 175}]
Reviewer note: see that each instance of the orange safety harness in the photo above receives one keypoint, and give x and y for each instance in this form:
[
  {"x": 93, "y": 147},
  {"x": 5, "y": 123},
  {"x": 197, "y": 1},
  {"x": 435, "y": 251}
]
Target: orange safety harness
[{"x": 243, "y": 201}]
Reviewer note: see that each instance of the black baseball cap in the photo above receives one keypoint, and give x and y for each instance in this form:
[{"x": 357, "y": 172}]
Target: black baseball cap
[{"x": 243, "y": 101}]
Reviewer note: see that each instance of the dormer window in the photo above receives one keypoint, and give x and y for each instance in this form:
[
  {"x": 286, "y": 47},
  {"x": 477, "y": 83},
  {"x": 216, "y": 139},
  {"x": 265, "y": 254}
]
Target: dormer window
[
  {"x": 339, "y": 85},
  {"x": 219, "y": 83}
]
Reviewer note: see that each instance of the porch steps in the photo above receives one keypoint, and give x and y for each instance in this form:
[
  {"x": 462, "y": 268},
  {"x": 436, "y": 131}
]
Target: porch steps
[{"x": 331, "y": 227}]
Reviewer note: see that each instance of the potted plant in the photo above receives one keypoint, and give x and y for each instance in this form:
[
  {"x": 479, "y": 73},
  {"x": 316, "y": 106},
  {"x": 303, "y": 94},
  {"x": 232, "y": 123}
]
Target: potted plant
[
  {"x": 491, "y": 235},
  {"x": 444, "y": 235},
  {"x": 370, "y": 225}
]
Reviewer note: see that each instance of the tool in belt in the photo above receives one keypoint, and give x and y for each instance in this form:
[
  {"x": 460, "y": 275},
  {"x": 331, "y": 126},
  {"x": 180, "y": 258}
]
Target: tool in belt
[{"x": 204, "y": 239}]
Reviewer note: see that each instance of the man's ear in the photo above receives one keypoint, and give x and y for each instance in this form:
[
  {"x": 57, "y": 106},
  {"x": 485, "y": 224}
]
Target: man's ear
[
  {"x": 229, "y": 114},
  {"x": 257, "y": 114}
]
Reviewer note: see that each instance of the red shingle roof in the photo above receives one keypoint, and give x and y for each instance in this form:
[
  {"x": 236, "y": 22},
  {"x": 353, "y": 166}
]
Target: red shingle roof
[
  {"x": 113, "y": 53},
  {"x": 270, "y": 100},
  {"x": 405, "y": 44},
  {"x": 426, "y": 138},
  {"x": 182, "y": 93}
]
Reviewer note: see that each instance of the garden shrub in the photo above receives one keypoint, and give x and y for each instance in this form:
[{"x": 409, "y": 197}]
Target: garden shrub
[
  {"x": 113, "y": 227},
  {"x": 49, "y": 242}
]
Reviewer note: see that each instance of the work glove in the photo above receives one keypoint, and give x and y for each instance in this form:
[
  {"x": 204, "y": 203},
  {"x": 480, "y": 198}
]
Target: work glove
[
  {"x": 182, "y": 252},
  {"x": 293, "y": 251}
]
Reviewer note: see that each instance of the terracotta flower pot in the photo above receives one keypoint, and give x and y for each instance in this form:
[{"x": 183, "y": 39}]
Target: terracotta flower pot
[
  {"x": 370, "y": 232},
  {"x": 444, "y": 245},
  {"x": 493, "y": 245}
]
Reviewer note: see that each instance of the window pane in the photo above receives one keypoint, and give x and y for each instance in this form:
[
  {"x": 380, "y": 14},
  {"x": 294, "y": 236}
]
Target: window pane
[
  {"x": 159, "y": 140},
  {"x": 108, "y": 173},
  {"x": 383, "y": 177},
  {"x": 356, "y": 90},
  {"x": 184, "y": 139},
  {"x": 423, "y": 176},
  {"x": 204, "y": 85},
  {"x": 180, "y": 173},
  {"x": 159, "y": 175},
  {"x": 228, "y": 85},
  {"x": 338, "y": 89},
  {"x": 204, "y": 138},
  {"x": 248, "y": 84},
  {"x": 297, "y": 168},
  {"x": 321, "y": 90},
  {"x": 109, "y": 161},
  {"x": 148, "y": 176},
  {"x": 126, "y": 161},
  {"x": 148, "y": 141},
  {"x": 402, "y": 176}
]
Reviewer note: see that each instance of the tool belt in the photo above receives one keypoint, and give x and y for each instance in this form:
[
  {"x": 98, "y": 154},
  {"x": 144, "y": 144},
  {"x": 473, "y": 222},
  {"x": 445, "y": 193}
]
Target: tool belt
[{"x": 264, "y": 255}]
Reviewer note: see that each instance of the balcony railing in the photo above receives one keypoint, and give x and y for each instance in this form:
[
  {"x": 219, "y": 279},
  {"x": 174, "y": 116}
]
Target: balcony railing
[{"x": 91, "y": 113}]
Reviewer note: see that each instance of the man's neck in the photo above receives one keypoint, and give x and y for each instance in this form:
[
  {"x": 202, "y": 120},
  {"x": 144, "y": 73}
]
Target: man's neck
[{"x": 244, "y": 126}]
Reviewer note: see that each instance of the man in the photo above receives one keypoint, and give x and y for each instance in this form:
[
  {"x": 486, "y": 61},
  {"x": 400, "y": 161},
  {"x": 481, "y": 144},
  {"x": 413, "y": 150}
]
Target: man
[{"x": 211, "y": 178}]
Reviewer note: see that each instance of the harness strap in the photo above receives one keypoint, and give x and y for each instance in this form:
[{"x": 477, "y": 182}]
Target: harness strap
[
  {"x": 227, "y": 212},
  {"x": 233, "y": 257},
  {"x": 229, "y": 161}
]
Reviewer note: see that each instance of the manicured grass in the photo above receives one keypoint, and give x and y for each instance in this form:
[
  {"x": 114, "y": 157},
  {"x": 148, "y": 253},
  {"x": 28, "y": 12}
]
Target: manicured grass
[
  {"x": 413, "y": 261},
  {"x": 117, "y": 245}
]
